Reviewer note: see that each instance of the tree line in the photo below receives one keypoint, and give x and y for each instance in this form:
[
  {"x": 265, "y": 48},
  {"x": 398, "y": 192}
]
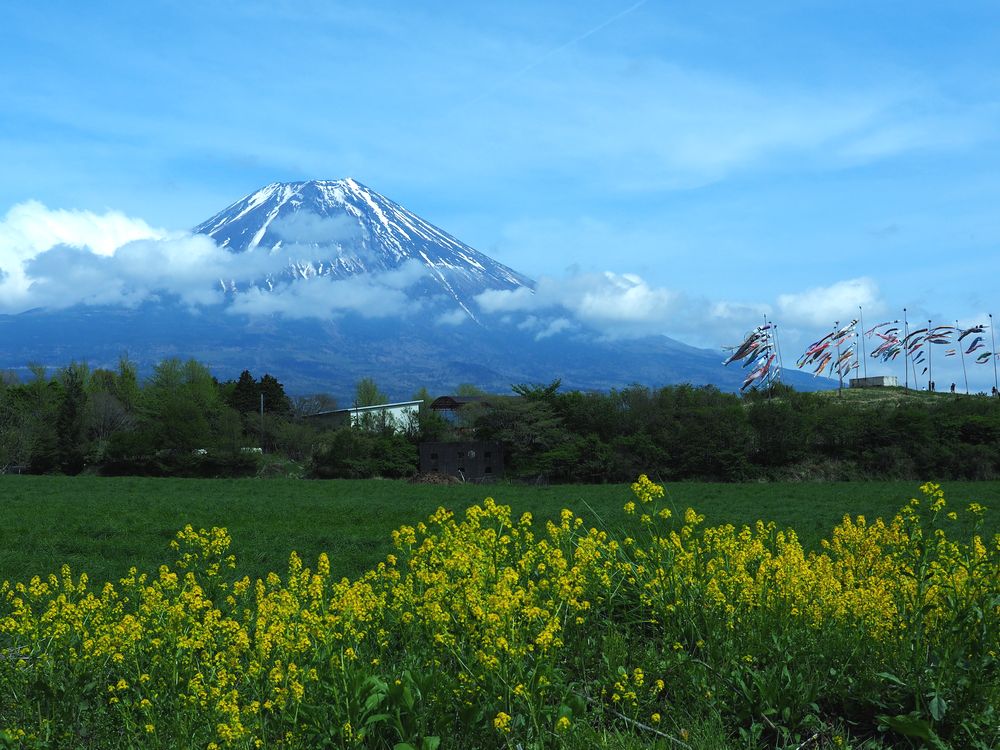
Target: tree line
[
  {"x": 689, "y": 432},
  {"x": 182, "y": 421}
]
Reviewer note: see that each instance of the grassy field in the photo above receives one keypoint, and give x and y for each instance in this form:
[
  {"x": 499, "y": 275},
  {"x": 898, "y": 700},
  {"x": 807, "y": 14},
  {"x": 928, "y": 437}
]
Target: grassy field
[{"x": 105, "y": 525}]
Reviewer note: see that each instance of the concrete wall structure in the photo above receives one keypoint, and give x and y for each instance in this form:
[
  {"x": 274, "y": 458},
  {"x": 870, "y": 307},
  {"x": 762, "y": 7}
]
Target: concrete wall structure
[{"x": 877, "y": 381}]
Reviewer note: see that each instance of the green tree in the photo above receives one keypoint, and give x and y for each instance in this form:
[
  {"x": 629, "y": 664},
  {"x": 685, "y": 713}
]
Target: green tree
[
  {"x": 367, "y": 393},
  {"x": 70, "y": 418},
  {"x": 245, "y": 394},
  {"x": 313, "y": 404},
  {"x": 469, "y": 390},
  {"x": 431, "y": 426},
  {"x": 275, "y": 400},
  {"x": 127, "y": 389},
  {"x": 181, "y": 401},
  {"x": 39, "y": 407}
]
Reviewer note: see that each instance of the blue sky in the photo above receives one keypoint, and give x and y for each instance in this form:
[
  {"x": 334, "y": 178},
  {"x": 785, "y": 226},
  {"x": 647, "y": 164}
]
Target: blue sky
[{"x": 801, "y": 158}]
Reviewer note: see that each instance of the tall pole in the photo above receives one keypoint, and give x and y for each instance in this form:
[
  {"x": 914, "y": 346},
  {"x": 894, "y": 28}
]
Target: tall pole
[
  {"x": 993, "y": 354},
  {"x": 262, "y": 421},
  {"x": 864, "y": 357},
  {"x": 906, "y": 352},
  {"x": 840, "y": 373},
  {"x": 930, "y": 358},
  {"x": 770, "y": 374},
  {"x": 961, "y": 351},
  {"x": 777, "y": 349}
]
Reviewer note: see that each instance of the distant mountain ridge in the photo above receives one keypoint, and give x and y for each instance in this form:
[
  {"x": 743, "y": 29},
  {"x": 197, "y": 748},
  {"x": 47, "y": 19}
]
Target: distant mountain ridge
[{"x": 325, "y": 231}]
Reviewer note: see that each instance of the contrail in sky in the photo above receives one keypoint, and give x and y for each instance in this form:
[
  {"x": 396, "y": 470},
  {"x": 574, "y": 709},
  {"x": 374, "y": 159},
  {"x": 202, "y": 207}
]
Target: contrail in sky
[{"x": 555, "y": 51}]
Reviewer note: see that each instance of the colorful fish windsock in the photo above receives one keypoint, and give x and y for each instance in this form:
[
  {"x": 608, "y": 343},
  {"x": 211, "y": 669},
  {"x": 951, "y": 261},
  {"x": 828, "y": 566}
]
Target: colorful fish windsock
[
  {"x": 758, "y": 352},
  {"x": 818, "y": 355}
]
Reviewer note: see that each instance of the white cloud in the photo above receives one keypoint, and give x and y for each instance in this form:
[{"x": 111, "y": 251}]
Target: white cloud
[
  {"x": 621, "y": 306},
  {"x": 453, "y": 317},
  {"x": 29, "y": 229},
  {"x": 556, "y": 326},
  {"x": 371, "y": 295},
  {"x": 54, "y": 258},
  {"x": 57, "y": 259},
  {"x": 306, "y": 228},
  {"x": 618, "y": 305},
  {"x": 823, "y": 305}
]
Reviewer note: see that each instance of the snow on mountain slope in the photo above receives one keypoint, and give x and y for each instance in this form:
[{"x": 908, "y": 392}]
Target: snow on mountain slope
[{"x": 340, "y": 228}]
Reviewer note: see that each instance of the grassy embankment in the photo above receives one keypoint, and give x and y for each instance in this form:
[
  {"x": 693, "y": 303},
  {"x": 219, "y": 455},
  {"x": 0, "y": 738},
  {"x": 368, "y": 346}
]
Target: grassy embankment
[{"x": 105, "y": 525}]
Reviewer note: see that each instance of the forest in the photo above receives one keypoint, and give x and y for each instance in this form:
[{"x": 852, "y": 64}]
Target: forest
[{"x": 183, "y": 421}]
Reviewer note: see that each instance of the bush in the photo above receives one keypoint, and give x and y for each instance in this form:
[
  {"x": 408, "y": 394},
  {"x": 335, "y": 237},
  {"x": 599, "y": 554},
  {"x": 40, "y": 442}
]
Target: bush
[{"x": 352, "y": 453}]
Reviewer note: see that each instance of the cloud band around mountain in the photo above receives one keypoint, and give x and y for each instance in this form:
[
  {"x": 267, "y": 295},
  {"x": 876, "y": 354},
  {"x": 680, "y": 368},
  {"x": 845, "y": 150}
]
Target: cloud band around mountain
[{"x": 59, "y": 259}]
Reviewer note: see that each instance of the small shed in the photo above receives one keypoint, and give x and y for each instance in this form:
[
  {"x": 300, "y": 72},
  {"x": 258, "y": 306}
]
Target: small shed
[
  {"x": 474, "y": 460},
  {"x": 877, "y": 381}
]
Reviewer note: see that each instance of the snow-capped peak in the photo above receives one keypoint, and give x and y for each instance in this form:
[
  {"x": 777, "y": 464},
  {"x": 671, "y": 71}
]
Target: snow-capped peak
[{"x": 342, "y": 228}]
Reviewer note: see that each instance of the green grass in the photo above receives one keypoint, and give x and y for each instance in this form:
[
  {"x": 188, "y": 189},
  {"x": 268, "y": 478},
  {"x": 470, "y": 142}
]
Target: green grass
[
  {"x": 105, "y": 525},
  {"x": 870, "y": 397}
]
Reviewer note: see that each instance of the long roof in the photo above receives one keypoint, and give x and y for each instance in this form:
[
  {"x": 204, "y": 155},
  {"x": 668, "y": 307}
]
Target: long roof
[{"x": 356, "y": 409}]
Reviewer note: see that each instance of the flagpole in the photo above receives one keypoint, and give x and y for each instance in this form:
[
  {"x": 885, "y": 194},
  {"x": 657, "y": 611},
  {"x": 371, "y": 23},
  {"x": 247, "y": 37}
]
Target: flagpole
[
  {"x": 857, "y": 359},
  {"x": 840, "y": 373},
  {"x": 770, "y": 374},
  {"x": 777, "y": 349},
  {"x": 864, "y": 357},
  {"x": 906, "y": 352},
  {"x": 993, "y": 346},
  {"x": 930, "y": 357},
  {"x": 961, "y": 350}
]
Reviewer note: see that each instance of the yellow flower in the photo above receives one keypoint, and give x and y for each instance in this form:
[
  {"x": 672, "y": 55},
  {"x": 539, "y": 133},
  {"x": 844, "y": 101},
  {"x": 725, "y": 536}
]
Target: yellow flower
[
  {"x": 502, "y": 722},
  {"x": 563, "y": 724}
]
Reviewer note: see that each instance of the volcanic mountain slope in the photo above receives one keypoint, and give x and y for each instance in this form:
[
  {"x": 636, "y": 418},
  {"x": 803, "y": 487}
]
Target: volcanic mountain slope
[{"x": 340, "y": 228}]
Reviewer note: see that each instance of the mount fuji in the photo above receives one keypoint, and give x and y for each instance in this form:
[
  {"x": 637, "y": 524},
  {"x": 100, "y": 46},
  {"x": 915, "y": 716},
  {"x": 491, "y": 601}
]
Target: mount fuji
[
  {"x": 329, "y": 282},
  {"x": 340, "y": 229}
]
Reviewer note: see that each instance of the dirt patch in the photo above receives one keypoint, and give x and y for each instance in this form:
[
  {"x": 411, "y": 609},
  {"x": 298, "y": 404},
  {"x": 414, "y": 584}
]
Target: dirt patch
[{"x": 434, "y": 478}]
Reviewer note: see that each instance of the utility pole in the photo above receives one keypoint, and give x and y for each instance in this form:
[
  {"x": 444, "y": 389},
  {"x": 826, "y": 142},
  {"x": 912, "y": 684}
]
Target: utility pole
[{"x": 262, "y": 422}]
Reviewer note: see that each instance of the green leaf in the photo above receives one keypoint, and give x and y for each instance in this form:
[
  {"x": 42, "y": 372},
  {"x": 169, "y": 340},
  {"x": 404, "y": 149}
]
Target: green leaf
[
  {"x": 891, "y": 678},
  {"x": 912, "y": 726},
  {"x": 909, "y": 726},
  {"x": 373, "y": 701},
  {"x": 403, "y": 746},
  {"x": 430, "y": 743},
  {"x": 938, "y": 707}
]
